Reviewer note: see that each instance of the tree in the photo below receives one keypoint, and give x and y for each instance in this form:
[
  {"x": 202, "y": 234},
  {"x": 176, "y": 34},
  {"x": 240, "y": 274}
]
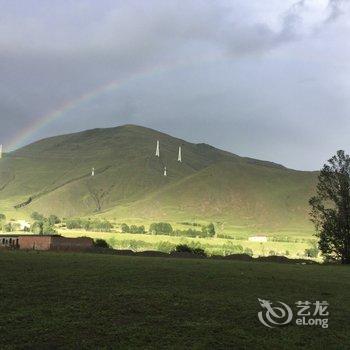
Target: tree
[
  {"x": 101, "y": 226},
  {"x": 330, "y": 209},
  {"x": 53, "y": 219},
  {"x": 211, "y": 229},
  {"x": 9, "y": 227},
  {"x": 48, "y": 228},
  {"x": 137, "y": 229},
  {"x": 37, "y": 227},
  {"x": 43, "y": 227},
  {"x": 74, "y": 224},
  {"x": 125, "y": 228},
  {"x": 2, "y": 217},
  {"x": 160, "y": 228},
  {"x": 36, "y": 216}
]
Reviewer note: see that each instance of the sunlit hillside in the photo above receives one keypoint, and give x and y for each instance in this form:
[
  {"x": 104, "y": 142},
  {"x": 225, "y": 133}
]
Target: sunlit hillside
[{"x": 54, "y": 176}]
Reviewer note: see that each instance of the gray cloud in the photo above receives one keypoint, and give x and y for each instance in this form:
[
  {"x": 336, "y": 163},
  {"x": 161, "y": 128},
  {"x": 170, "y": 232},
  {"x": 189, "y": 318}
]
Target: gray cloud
[{"x": 53, "y": 52}]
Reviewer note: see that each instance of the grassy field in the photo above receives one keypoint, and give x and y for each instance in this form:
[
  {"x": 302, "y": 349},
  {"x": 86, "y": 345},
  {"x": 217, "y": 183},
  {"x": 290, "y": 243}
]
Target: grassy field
[
  {"x": 219, "y": 246},
  {"x": 52, "y": 300}
]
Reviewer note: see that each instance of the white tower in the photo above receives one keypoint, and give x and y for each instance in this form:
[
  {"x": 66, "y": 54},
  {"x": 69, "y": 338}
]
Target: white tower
[
  {"x": 179, "y": 157},
  {"x": 0, "y": 151},
  {"x": 93, "y": 172},
  {"x": 165, "y": 172},
  {"x": 157, "y": 149}
]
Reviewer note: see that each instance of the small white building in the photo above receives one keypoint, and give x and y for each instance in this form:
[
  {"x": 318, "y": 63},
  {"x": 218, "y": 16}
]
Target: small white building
[
  {"x": 23, "y": 225},
  {"x": 258, "y": 238}
]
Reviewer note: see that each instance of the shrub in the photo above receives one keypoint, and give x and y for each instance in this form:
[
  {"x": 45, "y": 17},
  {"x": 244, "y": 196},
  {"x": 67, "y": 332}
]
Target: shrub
[
  {"x": 2, "y": 217},
  {"x": 208, "y": 231},
  {"x": 101, "y": 243},
  {"x": 184, "y": 248},
  {"x": 199, "y": 251},
  {"x": 311, "y": 252}
]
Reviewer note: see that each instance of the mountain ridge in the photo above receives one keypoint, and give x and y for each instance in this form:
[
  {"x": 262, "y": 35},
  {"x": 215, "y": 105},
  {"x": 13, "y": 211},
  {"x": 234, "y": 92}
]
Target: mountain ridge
[{"x": 54, "y": 175}]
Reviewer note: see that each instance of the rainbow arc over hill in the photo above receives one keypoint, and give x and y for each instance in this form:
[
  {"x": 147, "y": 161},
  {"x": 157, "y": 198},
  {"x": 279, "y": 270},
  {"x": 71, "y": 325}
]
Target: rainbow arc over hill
[{"x": 25, "y": 135}]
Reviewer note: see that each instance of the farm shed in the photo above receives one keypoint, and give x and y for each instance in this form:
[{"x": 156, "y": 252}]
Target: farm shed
[{"x": 45, "y": 242}]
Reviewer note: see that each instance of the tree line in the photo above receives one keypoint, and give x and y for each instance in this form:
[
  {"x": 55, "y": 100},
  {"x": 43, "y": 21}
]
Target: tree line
[
  {"x": 165, "y": 228},
  {"x": 89, "y": 225}
]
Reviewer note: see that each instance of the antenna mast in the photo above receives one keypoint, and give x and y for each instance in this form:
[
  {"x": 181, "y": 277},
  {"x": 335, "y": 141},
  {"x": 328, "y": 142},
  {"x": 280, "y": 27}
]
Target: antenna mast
[
  {"x": 179, "y": 157},
  {"x": 157, "y": 149}
]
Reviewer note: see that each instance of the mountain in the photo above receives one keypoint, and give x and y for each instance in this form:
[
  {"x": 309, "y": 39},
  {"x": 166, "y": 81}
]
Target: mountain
[{"x": 53, "y": 175}]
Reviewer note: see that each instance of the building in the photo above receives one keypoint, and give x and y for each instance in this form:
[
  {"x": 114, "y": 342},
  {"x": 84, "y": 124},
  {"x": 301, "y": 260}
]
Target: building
[
  {"x": 45, "y": 242},
  {"x": 9, "y": 241},
  {"x": 258, "y": 238}
]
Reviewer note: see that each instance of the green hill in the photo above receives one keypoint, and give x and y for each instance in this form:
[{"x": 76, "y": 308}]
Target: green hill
[{"x": 53, "y": 175}]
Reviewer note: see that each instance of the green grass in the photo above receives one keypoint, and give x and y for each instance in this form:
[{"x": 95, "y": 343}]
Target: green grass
[
  {"x": 52, "y": 300},
  {"x": 218, "y": 246},
  {"x": 210, "y": 185}
]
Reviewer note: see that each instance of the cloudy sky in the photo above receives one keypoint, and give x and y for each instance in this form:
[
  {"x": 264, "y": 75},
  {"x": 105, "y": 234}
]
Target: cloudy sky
[{"x": 267, "y": 79}]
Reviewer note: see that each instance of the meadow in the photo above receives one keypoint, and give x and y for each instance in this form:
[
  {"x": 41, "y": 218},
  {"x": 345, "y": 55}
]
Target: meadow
[
  {"x": 67, "y": 300},
  {"x": 213, "y": 246}
]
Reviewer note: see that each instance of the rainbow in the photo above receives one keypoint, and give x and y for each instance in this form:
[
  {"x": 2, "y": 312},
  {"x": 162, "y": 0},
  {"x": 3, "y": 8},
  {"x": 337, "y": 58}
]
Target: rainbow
[{"x": 26, "y": 134}]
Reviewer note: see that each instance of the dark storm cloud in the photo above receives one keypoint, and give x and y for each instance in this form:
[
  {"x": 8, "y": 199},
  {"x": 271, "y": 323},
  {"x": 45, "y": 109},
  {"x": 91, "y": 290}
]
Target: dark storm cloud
[{"x": 53, "y": 52}]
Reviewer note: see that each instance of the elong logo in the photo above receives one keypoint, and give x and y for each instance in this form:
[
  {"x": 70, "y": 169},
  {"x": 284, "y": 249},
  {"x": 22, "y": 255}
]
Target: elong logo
[
  {"x": 274, "y": 315},
  {"x": 281, "y": 314}
]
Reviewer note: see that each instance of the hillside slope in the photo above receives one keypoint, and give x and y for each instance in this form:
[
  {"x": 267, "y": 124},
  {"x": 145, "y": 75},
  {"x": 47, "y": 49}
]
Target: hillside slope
[{"x": 54, "y": 176}]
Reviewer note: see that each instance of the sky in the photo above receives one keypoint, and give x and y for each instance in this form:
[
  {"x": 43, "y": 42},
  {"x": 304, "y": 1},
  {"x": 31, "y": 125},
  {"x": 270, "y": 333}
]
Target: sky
[{"x": 265, "y": 79}]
